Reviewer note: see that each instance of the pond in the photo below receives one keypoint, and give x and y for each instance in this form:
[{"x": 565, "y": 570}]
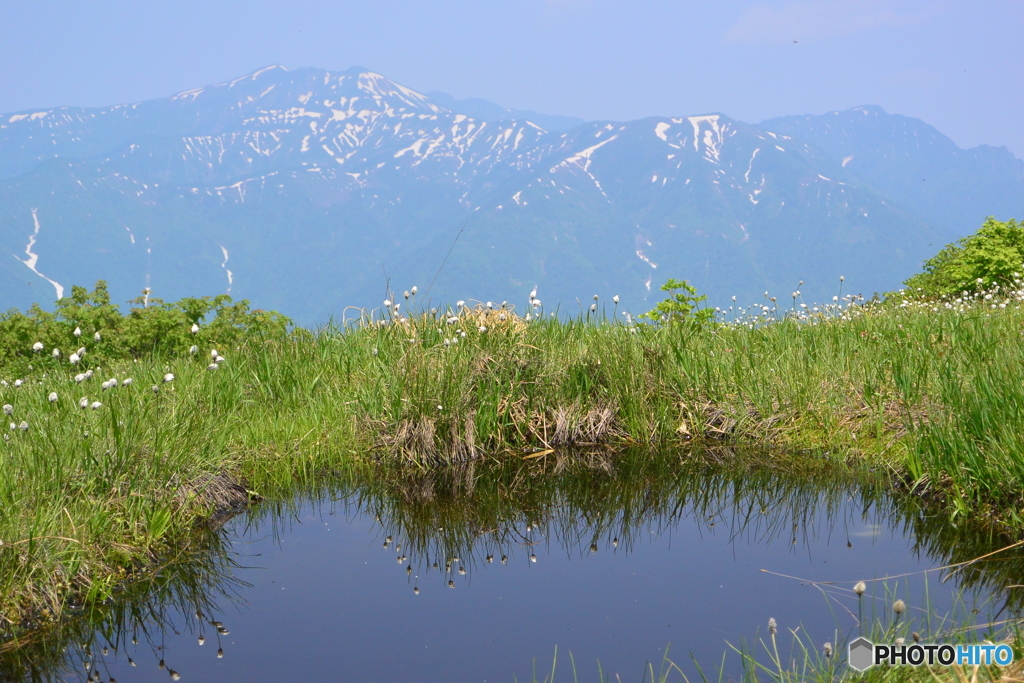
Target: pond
[{"x": 479, "y": 573}]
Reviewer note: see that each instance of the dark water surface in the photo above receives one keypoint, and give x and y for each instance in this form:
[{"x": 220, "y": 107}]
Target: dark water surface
[{"x": 610, "y": 560}]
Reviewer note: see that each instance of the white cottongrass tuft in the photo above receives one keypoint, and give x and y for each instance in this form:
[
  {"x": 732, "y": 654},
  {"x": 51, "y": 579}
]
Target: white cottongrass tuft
[
  {"x": 56, "y": 353},
  {"x": 13, "y": 427},
  {"x": 8, "y": 409},
  {"x": 126, "y": 382},
  {"x": 156, "y": 389},
  {"x": 83, "y": 403},
  {"x": 195, "y": 328},
  {"x": 52, "y": 398},
  {"x": 460, "y": 303},
  {"x": 78, "y": 332},
  {"x": 414, "y": 290},
  {"x": 387, "y": 303},
  {"x": 80, "y": 378},
  {"x": 483, "y": 328},
  {"x": 169, "y": 377},
  {"x": 74, "y": 359},
  {"x": 490, "y": 305},
  {"x": 533, "y": 295},
  {"x": 193, "y": 350},
  {"x": 23, "y": 426},
  {"x": 18, "y": 383},
  {"x": 214, "y": 353},
  {"x": 212, "y": 366},
  {"x": 97, "y": 337},
  {"x": 96, "y": 405},
  {"x": 81, "y": 352},
  {"x": 106, "y": 385},
  {"x": 88, "y": 374},
  {"x": 37, "y": 347},
  {"x": 615, "y": 299},
  {"x": 406, "y": 294},
  {"x": 595, "y": 297},
  {"x": 593, "y": 308}
]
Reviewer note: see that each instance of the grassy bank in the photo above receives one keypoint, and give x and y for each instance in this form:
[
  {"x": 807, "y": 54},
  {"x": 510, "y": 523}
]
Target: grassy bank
[{"x": 931, "y": 394}]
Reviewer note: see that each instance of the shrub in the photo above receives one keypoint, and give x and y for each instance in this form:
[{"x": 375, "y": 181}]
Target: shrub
[{"x": 990, "y": 256}]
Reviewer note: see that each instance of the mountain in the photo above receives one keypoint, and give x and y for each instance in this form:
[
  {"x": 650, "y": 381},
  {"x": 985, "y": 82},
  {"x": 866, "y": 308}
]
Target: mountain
[
  {"x": 309, "y": 191},
  {"x": 954, "y": 189}
]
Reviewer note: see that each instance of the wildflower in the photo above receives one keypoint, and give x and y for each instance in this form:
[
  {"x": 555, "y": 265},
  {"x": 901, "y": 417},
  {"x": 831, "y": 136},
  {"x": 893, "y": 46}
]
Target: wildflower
[
  {"x": 212, "y": 366},
  {"x": 536, "y": 303},
  {"x": 78, "y": 332},
  {"x": 175, "y": 676},
  {"x": 220, "y": 359},
  {"x": 23, "y": 426},
  {"x": 195, "y": 328},
  {"x": 406, "y": 294},
  {"x": 97, "y": 337},
  {"x": 96, "y": 405},
  {"x": 773, "y": 627},
  {"x": 81, "y": 352},
  {"x": 202, "y": 639},
  {"x": 8, "y": 409},
  {"x": 387, "y": 303},
  {"x": 52, "y": 398},
  {"x": 490, "y": 305},
  {"x": 17, "y": 383},
  {"x": 169, "y": 377},
  {"x": 593, "y": 308},
  {"x": 533, "y": 558},
  {"x": 828, "y": 649},
  {"x": 734, "y": 298},
  {"x": 452, "y": 320},
  {"x": 214, "y": 353},
  {"x": 56, "y": 353},
  {"x": 88, "y": 374},
  {"x": 193, "y": 350},
  {"x": 859, "y": 588},
  {"x": 414, "y": 290},
  {"x": 615, "y": 299},
  {"x": 106, "y": 385},
  {"x": 841, "y": 278},
  {"x": 74, "y": 359},
  {"x": 451, "y": 584},
  {"x": 37, "y": 347},
  {"x": 460, "y": 303},
  {"x": 83, "y": 403},
  {"x": 397, "y": 306},
  {"x": 899, "y": 607},
  {"x": 416, "y": 590},
  {"x": 533, "y": 294}
]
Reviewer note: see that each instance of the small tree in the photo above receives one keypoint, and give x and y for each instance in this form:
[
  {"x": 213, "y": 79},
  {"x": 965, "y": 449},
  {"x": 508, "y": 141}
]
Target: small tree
[
  {"x": 680, "y": 306},
  {"x": 993, "y": 255}
]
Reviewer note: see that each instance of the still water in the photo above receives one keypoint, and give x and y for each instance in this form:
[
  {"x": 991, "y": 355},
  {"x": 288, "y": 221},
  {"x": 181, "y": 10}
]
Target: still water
[{"x": 469, "y": 575}]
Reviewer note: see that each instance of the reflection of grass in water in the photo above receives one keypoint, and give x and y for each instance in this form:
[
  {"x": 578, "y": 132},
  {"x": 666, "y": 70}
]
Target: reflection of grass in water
[
  {"x": 480, "y": 511},
  {"x": 187, "y": 586}
]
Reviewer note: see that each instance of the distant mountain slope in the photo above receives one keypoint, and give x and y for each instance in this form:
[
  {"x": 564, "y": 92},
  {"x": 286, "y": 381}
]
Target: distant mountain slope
[
  {"x": 304, "y": 190},
  {"x": 485, "y": 110},
  {"x": 917, "y": 165}
]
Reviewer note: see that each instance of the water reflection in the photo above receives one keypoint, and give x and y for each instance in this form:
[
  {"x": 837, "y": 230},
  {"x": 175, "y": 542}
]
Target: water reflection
[{"x": 440, "y": 529}]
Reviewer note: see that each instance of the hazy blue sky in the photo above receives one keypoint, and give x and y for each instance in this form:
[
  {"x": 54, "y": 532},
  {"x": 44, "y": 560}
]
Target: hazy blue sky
[{"x": 957, "y": 65}]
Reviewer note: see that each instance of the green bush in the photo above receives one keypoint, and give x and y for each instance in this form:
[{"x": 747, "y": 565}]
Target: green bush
[
  {"x": 680, "y": 306},
  {"x": 991, "y": 256},
  {"x": 150, "y": 328}
]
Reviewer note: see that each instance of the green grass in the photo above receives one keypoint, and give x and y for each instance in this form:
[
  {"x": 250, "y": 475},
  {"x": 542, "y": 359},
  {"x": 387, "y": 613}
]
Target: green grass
[{"x": 932, "y": 398}]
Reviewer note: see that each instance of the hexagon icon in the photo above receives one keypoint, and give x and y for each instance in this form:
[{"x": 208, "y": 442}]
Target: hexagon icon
[{"x": 860, "y": 655}]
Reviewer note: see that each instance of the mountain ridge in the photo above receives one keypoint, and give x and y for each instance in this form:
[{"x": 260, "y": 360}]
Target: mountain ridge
[{"x": 298, "y": 189}]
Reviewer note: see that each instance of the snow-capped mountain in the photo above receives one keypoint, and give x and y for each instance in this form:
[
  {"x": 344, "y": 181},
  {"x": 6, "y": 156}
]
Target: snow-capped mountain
[{"x": 308, "y": 191}]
